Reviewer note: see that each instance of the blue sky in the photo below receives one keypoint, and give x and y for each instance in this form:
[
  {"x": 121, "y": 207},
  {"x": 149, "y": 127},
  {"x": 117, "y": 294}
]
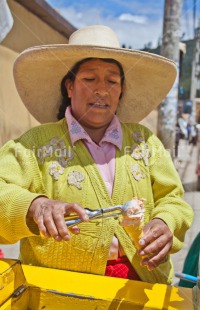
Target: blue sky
[{"x": 136, "y": 22}]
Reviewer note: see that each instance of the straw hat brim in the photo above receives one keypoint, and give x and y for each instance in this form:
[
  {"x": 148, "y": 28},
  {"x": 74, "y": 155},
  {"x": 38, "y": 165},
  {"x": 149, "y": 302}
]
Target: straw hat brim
[{"x": 38, "y": 72}]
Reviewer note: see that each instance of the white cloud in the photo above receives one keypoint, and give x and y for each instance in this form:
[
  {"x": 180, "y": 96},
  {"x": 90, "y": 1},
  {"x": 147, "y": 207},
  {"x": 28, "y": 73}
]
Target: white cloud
[
  {"x": 135, "y": 35},
  {"x": 81, "y": 18},
  {"x": 127, "y": 17}
]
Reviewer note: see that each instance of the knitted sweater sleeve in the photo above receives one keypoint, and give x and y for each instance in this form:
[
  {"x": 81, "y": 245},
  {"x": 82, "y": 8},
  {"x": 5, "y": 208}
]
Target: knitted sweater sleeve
[
  {"x": 20, "y": 184},
  {"x": 169, "y": 204}
]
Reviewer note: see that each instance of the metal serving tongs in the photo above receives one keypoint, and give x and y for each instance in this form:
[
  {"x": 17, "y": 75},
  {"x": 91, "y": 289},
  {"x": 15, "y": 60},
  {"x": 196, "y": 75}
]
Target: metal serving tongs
[{"x": 100, "y": 213}]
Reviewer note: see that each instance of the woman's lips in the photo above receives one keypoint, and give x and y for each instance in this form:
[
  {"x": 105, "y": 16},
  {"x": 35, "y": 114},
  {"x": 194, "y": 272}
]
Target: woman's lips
[{"x": 99, "y": 105}]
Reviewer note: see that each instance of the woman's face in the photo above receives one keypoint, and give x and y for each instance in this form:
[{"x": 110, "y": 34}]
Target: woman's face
[{"x": 95, "y": 93}]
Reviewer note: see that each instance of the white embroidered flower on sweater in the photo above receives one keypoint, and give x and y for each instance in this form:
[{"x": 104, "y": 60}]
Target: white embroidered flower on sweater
[
  {"x": 146, "y": 154},
  {"x": 43, "y": 152},
  {"x": 56, "y": 169},
  {"x": 63, "y": 161},
  {"x": 140, "y": 151},
  {"x": 75, "y": 178},
  {"x": 57, "y": 144},
  {"x": 137, "y": 136},
  {"x": 137, "y": 152},
  {"x": 137, "y": 173},
  {"x": 66, "y": 156}
]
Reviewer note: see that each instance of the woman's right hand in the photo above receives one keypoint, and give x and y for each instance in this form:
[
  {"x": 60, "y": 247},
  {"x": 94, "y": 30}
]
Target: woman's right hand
[{"x": 49, "y": 215}]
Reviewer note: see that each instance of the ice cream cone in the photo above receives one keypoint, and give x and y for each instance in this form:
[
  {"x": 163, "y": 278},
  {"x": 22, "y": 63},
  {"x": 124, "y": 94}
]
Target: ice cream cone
[
  {"x": 135, "y": 231},
  {"x": 133, "y": 220}
]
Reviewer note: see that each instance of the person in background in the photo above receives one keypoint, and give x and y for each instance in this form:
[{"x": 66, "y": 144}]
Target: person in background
[{"x": 96, "y": 155}]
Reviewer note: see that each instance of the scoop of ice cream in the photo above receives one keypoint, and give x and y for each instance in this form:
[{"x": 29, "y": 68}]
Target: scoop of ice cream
[{"x": 133, "y": 212}]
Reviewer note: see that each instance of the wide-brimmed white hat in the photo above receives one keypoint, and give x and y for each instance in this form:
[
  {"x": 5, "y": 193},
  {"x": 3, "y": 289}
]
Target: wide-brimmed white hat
[{"x": 38, "y": 72}]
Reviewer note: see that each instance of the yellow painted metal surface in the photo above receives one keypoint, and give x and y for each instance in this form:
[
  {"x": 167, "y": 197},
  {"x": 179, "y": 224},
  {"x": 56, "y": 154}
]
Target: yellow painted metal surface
[
  {"x": 86, "y": 290},
  {"x": 51, "y": 289},
  {"x": 11, "y": 278}
]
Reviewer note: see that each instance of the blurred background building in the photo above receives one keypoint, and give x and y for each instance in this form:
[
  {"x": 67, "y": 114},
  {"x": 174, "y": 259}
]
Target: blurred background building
[{"x": 25, "y": 24}]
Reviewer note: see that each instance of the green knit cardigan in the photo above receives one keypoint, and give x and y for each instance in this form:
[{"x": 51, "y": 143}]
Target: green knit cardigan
[{"x": 44, "y": 162}]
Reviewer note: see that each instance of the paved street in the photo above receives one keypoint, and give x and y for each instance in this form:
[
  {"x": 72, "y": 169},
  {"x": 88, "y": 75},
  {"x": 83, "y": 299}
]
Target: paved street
[{"x": 10, "y": 251}]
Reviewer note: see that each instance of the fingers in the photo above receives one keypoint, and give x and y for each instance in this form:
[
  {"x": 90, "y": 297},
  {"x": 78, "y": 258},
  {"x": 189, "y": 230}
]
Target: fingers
[
  {"x": 49, "y": 216},
  {"x": 37, "y": 211},
  {"x": 48, "y": 223},
  {"x": 155, "y": 253},
  {"x": 59, "y": 230},
  {"x": 155, "y": 244},
  {"x": 75, "y": 208},
  {"x": 155, "y": 260},
  {"x": 75, "y": 230}
]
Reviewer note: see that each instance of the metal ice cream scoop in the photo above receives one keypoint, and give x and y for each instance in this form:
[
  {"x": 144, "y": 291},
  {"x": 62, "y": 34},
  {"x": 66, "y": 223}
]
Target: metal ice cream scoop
[{"x": 102, "y": 213}]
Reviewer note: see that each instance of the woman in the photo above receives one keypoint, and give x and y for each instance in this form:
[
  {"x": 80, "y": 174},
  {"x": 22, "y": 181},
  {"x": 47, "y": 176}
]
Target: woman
[{"x": 92, "y": 159}]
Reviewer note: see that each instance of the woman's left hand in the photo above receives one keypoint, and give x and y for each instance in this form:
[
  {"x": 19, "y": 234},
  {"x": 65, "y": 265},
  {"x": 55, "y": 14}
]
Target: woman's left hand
[{"x": 155, "y": 243}]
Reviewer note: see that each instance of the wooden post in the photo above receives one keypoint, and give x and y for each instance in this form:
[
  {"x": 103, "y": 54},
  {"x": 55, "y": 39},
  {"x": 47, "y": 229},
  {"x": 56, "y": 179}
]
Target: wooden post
[{"x": 167, "y": 111}]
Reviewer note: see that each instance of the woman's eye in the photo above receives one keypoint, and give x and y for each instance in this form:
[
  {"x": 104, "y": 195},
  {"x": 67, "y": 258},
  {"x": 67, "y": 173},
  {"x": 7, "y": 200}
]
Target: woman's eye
[
  {"x": 112, "y": 82},
  {"x": 89, "y": 79}
]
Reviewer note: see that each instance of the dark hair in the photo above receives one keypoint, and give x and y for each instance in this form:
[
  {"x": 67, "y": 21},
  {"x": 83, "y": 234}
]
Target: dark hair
[{"x": 71, "y": 75}]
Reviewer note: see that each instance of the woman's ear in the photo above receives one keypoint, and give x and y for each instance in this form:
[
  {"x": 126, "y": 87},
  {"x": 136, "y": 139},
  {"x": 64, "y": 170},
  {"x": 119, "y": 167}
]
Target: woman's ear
[{"x": 69, "y": 87}]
